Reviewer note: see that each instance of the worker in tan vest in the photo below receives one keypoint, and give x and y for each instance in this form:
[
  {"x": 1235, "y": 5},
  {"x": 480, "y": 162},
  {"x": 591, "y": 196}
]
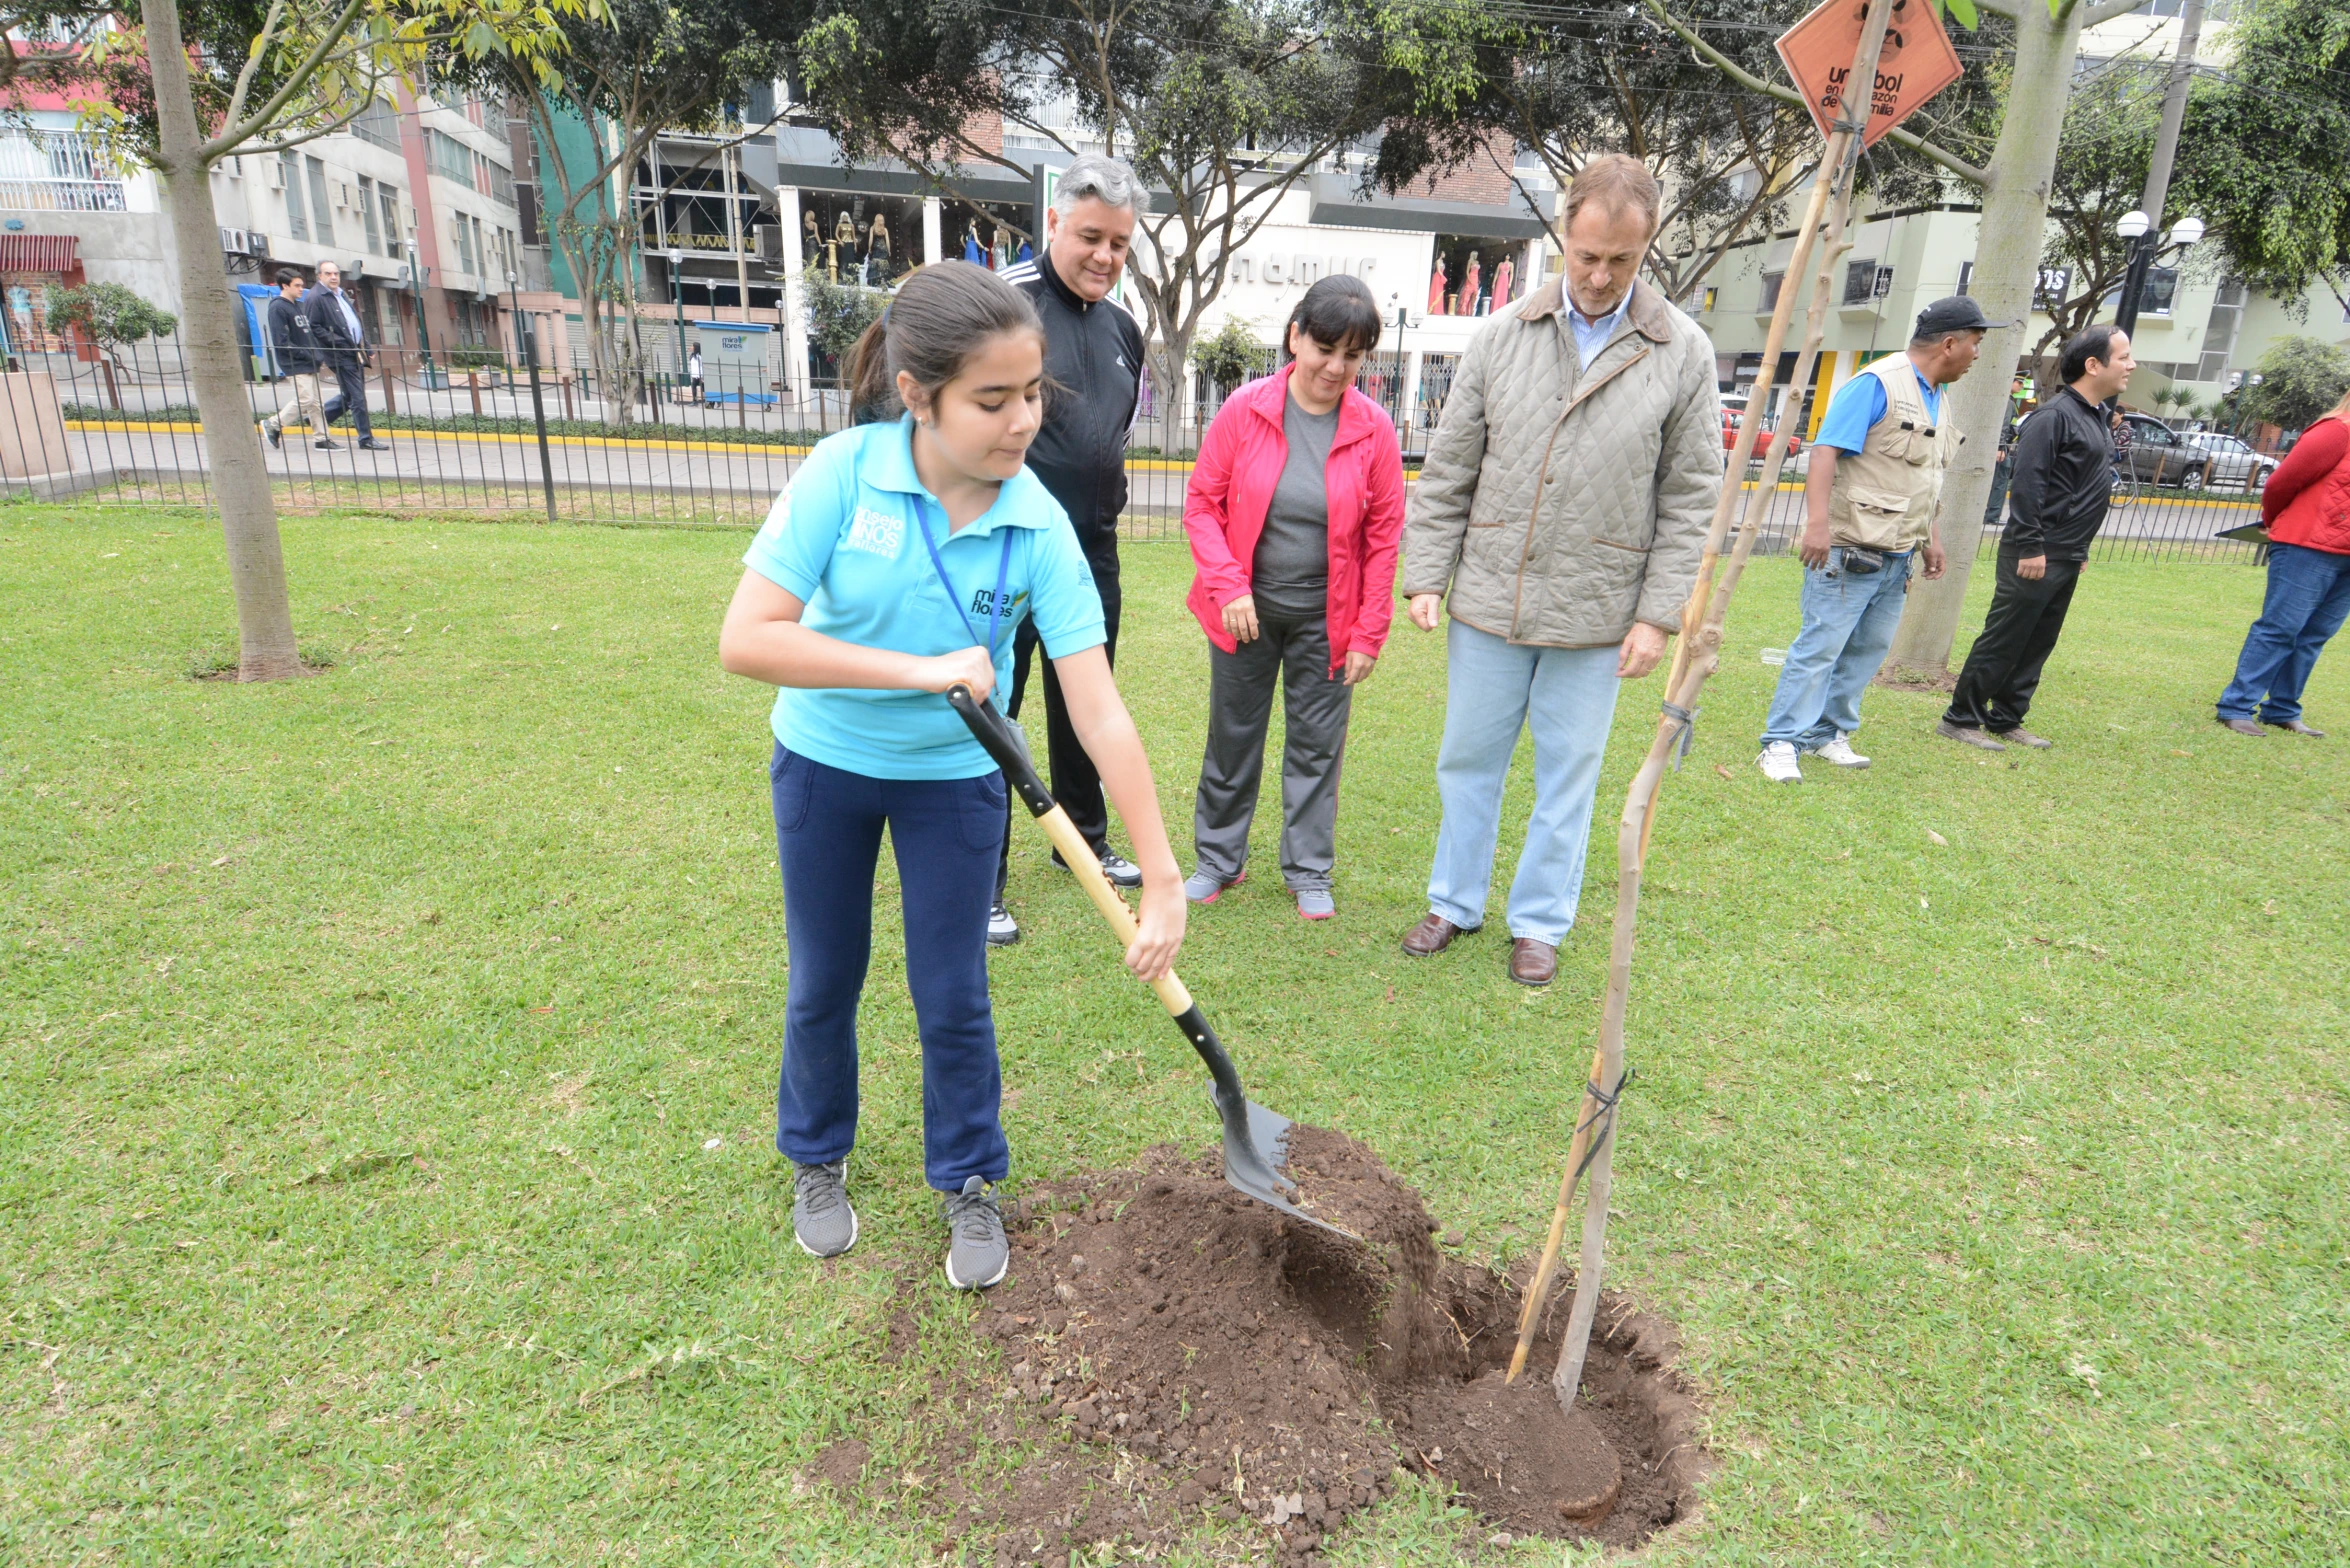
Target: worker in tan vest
[{"x": 1869, "y": 514}]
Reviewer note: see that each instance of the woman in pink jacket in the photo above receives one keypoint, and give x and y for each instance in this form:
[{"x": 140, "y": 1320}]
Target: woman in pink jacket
[{"x": 1294, "y": 513}]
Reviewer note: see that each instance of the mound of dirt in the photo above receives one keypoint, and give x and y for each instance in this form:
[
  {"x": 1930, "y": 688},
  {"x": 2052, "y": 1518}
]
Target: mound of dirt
[{"x": 1182, "y": 1348}]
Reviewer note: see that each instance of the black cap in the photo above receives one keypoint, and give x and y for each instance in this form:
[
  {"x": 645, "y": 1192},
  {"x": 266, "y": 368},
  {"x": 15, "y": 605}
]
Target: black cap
[{"x": 1955, "y": 314}]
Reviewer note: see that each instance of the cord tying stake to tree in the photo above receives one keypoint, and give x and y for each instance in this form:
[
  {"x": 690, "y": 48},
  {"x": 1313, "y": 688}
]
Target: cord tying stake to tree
[{"x": 1686, "y": 718}]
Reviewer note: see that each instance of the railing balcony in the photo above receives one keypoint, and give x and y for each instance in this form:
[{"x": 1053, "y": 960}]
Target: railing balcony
[
  {"x": 62, "y": 196},
  {"x": 57, "y": 171}
]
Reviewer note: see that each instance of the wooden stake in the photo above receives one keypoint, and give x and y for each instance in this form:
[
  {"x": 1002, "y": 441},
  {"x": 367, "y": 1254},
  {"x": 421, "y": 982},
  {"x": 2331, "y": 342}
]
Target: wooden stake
[
  {"x": 1538, "y": 1289},
  {"x": 1697, "y": 658}
]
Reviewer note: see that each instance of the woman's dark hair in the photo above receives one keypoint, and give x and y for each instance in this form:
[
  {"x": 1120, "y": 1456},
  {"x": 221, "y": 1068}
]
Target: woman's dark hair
[
  {"x": 1338, "y": 313},
  {"x": 2089, "y": 343},
  {"x": 936, "y": 321}
]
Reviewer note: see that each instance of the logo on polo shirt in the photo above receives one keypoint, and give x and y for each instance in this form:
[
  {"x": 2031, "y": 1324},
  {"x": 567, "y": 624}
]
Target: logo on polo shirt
[
  {"x": 875, "y": 533},
  {"x": 983, "y": 602}
]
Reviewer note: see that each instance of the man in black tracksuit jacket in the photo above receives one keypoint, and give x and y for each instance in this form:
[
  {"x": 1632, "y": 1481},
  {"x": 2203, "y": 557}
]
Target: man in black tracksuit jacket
[
  {"x": 2063, "y": 480},
  {"x": 1093, "y": 367}
]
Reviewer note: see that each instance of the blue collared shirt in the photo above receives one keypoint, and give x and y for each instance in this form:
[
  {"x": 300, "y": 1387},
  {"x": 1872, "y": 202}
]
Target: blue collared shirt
[
  {"x": 1591, "y": 337},
  {"x": 844, "y": 538}
]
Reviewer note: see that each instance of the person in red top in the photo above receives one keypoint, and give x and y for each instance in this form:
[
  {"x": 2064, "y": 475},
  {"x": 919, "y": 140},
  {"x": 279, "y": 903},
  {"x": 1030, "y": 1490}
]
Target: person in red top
[
  {"x": 1295, "y": 513},
  {"x": 2307, "y": 509}
]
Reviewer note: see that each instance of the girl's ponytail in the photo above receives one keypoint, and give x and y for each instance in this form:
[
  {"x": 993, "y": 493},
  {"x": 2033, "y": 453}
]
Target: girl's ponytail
[{"x": 871, "y": 396}]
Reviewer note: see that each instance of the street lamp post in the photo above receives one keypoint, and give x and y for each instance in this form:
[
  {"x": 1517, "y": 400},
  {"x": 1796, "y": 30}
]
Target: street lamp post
[{"x": 2146, "y": 247}]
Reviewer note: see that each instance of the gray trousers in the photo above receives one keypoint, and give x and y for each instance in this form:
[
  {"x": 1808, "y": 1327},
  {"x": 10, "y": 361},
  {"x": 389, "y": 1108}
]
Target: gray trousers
[{"x": 1240, "y": 709}]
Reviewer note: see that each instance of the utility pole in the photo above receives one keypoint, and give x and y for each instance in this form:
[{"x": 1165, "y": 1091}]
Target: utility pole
[{"x": 2147, "y": 246}]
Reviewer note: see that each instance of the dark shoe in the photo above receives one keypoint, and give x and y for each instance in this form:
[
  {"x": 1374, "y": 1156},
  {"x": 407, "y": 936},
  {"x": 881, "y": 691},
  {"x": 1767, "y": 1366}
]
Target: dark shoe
[
  {"x": 2296, "y": 727},
  {"x": 1968, "y": 735},
  {"x": 1431, "y": 936},
  {"x": 2019, "y": 736},
  {"x": 276, "y": 436},
  {"x": 977, "y": 1253},
  {"x": 2245, "y": 728},
  {"x": 1121, "y": 871},
  {"x": 328, "y": 446},
  {"x": 371, "y": 444},
  {"x": 821, "y": 1220},
  {"x": 1532, "y": 962}
]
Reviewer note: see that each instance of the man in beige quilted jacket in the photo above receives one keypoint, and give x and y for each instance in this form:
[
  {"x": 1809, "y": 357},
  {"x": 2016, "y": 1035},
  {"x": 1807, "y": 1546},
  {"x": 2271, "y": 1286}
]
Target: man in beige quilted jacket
[{"x": 1564, "y": 505}]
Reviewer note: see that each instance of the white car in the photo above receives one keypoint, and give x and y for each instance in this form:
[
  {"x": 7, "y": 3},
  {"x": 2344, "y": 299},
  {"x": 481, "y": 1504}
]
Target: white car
[{"x": 2232, "y": 462}]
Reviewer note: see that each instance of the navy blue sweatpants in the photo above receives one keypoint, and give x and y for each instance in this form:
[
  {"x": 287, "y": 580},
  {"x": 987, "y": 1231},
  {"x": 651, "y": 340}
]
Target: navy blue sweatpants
[{"x": 946, "y": 834}]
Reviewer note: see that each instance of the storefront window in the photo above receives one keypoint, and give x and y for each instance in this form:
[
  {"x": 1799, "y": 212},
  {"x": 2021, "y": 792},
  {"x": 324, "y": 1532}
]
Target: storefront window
[{"x": 1475, "y": 275}]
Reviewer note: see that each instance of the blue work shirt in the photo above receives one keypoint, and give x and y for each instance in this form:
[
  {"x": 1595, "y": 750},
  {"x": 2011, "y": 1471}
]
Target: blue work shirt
[
  {"x": 1857, "y": 406},
  {"x": 845, "y": 539},
  {"x": 1591, "y": 337}
]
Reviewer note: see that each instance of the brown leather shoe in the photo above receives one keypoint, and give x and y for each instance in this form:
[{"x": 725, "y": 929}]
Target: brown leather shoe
[
  {"x": 2295, "y": 727},
  {"x": 2019, "y": 736},
  {"x": 1430, "y": 937},
  {"x": 1532, "y": 962},
  {"x": 2244, "y": 727}
]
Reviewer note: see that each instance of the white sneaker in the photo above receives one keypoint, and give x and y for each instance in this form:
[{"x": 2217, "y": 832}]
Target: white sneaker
[
  {"x": 1778, "y": 763},
  {"x": 1840, "y": 752}
]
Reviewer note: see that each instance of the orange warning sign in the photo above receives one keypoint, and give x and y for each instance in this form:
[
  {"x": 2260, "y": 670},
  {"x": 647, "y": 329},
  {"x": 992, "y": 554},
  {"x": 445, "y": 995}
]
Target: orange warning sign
[{"x": 1918, "y": 61}]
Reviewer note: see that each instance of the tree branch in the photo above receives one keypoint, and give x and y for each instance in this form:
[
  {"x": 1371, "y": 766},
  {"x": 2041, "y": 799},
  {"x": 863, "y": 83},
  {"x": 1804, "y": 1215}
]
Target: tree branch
[
  {"x": 253, "y": 59},
  {"x": 298, "y": 80},
  {"x": 2101, "y": 11}
]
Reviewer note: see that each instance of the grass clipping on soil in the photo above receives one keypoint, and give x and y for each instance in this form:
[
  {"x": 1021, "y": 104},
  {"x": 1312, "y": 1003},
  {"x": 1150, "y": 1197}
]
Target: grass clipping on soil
[{"x": 1176, "y": 1349}]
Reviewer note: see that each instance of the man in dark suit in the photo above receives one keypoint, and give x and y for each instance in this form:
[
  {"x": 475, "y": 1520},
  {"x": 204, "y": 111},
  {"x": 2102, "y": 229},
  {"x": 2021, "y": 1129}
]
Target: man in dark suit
[{"x": 343, "y": 338}]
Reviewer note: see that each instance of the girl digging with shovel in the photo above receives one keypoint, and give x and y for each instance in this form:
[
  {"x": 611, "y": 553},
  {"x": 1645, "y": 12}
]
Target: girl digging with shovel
[{"x": 897, "y": 564}]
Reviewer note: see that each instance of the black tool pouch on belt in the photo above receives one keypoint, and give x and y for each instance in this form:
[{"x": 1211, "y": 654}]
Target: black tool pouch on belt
[{"x": 1863, "y": 563}]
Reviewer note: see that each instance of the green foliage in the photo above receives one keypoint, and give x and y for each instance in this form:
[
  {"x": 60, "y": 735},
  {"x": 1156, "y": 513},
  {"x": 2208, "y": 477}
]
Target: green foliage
[
  {"x": 838, "y": 314},
  {"x": 2300, "y": 379},
  {"x": 1229, "y": 357},
  {"x": 2261, "y": 153},
  {"x": 470, "y": 358},
  {"x": 110, "y": 315}
]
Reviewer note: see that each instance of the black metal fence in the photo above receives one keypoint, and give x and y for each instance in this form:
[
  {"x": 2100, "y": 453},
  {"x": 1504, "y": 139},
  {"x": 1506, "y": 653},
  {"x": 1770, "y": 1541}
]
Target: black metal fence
[{"x": 477, "y": 439}]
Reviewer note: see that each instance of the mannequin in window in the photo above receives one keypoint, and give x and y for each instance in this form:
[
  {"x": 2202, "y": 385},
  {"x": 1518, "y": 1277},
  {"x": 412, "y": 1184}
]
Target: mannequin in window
[
  {"x": 844, "y": 232},
  {"x": 811, "y": 238},
  {"x": 877, "y": 249},
  {"x": 1469, "y": 283},
  {"x": 1504, "y": 277},
  {"x": 971, "y": 251},
  {"x": 1001, "y": 256},
  {"x": 1436, "y": 289}
]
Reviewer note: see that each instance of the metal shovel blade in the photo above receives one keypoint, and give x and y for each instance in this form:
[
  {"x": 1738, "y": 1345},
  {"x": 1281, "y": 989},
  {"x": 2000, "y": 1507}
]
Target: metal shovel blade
[{"x": 1256, "y": 1140}]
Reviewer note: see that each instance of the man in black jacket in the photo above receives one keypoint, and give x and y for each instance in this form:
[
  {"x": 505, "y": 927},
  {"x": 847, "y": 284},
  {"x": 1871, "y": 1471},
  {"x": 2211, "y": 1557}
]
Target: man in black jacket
[
  {"x": 343, "y": 337},
  {"x": 2063, "y": 467},
  {"x": 295, "y": 345},
  {"x": 1093, "y": 359}
]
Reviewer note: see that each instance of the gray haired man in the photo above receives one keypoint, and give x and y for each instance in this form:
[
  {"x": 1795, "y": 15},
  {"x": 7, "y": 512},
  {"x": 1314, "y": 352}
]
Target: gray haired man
[{"x": 1093, "y": 359}]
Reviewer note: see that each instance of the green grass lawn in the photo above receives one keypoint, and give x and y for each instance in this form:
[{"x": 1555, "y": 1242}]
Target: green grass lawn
[{"x": 1998, "y": 1185}]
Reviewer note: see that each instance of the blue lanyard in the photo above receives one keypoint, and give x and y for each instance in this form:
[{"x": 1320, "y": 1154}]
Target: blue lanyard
[{"x": 1003, "y": 575}]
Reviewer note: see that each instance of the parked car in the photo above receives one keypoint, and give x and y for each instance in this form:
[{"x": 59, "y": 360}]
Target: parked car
[
  {"x": 1733, "y": 410},
  {"x": 2232, "y": 462},
  {"x": 2157, "y": 454}
]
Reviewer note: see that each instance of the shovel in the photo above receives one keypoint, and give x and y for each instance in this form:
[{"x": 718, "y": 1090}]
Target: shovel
[{"x": 1256, "y": 1141}]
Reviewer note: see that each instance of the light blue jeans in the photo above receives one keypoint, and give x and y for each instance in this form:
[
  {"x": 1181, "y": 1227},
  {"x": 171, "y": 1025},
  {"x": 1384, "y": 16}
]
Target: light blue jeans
[
  {"x": 1848, "y": 624},
  {"x": 1493, "y": 688}
]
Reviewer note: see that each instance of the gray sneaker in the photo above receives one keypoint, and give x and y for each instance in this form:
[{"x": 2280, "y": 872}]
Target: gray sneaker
[
  {"x": 977, "y": 1254},
  {"x": 821, "y": 1220}
]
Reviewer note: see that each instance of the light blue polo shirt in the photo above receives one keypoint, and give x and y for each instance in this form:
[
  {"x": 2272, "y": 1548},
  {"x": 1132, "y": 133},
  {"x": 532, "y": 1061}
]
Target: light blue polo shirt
[{"x": 845, "y": 539}]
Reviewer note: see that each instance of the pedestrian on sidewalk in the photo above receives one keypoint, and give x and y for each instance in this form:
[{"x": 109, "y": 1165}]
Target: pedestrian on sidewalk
[
  {"x": 343, "y": 345},
  {"x": 2307, "y": 509},
  {"x": 2063, "y": 483},
  {"x": 1294, "y": 512},
  {"x": 894, "y": 567},
  {"x": 1093, "y": 358},
  {"x": 1871, "y": 512},
  {"x": 693, "y": 373},
  {"x": 1564, "y": 503},
  {"x": 295, "y": 346}
]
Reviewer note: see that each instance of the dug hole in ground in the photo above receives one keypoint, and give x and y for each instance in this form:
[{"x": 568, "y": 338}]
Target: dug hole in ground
[{"x": 1176, "y": 1352}]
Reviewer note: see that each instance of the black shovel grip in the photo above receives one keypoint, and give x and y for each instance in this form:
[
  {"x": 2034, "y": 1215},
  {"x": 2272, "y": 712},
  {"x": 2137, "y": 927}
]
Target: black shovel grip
[{"x": 993, "y": 731}]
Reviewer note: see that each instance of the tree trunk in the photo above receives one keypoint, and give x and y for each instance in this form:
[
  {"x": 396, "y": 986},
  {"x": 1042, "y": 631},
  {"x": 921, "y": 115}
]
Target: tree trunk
[
  {"x": 232, "y": 442},
  {"x": 2010, "y": 240}
]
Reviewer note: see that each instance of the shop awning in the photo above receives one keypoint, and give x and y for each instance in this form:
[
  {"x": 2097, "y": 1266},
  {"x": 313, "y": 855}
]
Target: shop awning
[{"x": 39, "y": 252}]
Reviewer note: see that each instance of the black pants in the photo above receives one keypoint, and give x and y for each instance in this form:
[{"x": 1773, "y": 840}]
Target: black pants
[
  {"x": 351, "y": 377},
  {"x": 1076, "y": 784},
  {"x": 2019, "y": 633}
]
